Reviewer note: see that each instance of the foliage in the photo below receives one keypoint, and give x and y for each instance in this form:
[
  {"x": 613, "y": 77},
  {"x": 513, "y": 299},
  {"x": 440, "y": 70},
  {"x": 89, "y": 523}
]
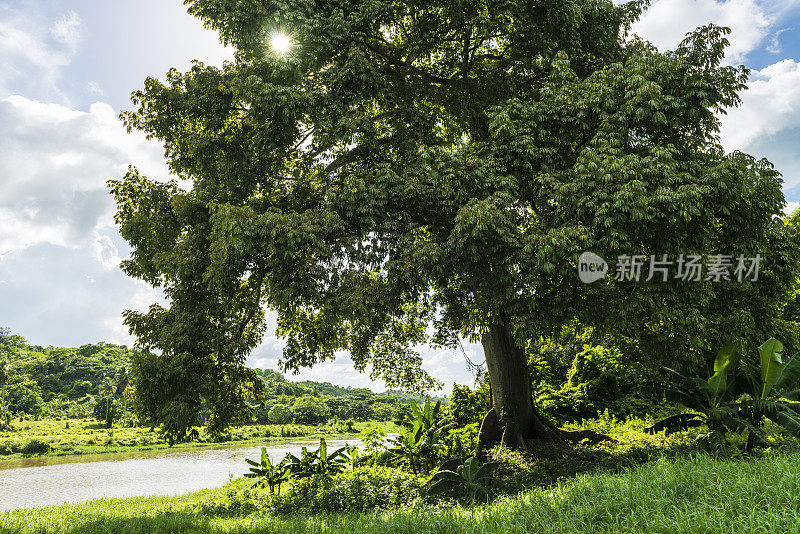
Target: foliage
[
  {"x": 281, "y": 414},
  {"x": 472, "y": 481},
  {"x": 35, "y": 446},
  {"x": 599, "y": 378},
  {"x": 467, "y": 405},
  {"x": 266, "y": 473},
  {"x": 727, "y": 402},
  {"x": 374, "y": 439},
  {"x": 360, "y": 490},
  {"x": 421, "y": 435},
  {"x": 317, "y": 462},
  {"x": 71, "y": 375},
  {"x": 107, "y": 410},
  {"x": 460, "y": 441},
  {"x": 310, "y": 410},
  {"x": 387, "y": 180}
]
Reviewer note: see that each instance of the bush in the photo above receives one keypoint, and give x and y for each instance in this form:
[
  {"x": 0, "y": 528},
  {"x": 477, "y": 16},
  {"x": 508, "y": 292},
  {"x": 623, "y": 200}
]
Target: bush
[
  {"x": 600, "y": 379},
  {"x": 36, "y": 446},
  {"x": 461, "y": 441},
  {"x": 359, "y": 490},
  {"x": 469, "y": 406}
]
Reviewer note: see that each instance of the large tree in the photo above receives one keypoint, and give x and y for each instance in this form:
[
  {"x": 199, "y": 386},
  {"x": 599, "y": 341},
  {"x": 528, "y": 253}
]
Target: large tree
[{"x": 386, "y": 173}]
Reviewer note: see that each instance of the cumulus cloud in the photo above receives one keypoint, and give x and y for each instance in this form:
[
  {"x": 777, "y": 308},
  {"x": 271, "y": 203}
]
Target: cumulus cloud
[
  {"x": 667, "y": 22},
  {"x": 54, "y": 296},
  {"x": 54, "y": 164},
  {"x": 771, "y": 104},
  {"x": 59, "y": 247}
]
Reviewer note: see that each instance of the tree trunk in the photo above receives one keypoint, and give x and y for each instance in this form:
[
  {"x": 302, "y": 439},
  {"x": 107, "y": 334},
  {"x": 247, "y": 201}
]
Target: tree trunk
[{"x": 513, "y": 417}]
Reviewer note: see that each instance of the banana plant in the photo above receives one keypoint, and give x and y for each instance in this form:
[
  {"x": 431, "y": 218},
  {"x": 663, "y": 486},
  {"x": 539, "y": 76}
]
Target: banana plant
[
  {"x": 317, "y": 462},
  {"x": 267, "y": 473},
  {"x": 472, "y": 480},
  {"x": 738, "y": 402},
  {"x": 421, "y": 434}
]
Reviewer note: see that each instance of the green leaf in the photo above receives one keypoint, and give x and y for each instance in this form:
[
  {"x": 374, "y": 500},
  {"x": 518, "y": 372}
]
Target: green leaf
[
  {"x": 452, "y": 476},
  {"x": 724, "y": 362},
  {"x": 470, "y": 467},
  {"x": 486, "y": 470},
  {"x": 771, "y": 364},
  {"x": 790, "y": 376}
]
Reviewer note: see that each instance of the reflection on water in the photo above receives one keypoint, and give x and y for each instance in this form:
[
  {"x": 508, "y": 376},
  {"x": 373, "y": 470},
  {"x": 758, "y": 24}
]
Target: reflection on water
[{"x": 32, "y": 482}]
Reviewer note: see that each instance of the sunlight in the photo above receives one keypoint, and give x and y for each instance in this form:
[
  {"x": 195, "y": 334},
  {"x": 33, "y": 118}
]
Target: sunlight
[{"x": 280, "y": 43}]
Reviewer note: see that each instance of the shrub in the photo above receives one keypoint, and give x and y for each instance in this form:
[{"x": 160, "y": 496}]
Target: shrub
[
  {"x": 36, "y": 446},
  {"x": 461, "y": 441},
  {"x": 374, "y": 439},
  {"x": 359, "y": 490},
  {"x": 600, "y": 378},
  {"x": 469, "y": 406}
]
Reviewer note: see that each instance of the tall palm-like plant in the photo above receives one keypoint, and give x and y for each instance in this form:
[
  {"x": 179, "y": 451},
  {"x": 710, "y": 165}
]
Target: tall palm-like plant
[
  {"x": 123, "y": 380},
  {"x": 421, "y": 433},
  {"x": 738, "y": 402},
  {"x": 5, "y": 373},
  {"x": 107, "y": 389}
]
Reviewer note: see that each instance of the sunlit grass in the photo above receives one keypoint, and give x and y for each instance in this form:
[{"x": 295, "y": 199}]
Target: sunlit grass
[{"x": 685, "y": 495}]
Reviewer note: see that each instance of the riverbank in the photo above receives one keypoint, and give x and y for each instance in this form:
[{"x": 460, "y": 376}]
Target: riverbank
[
  {"x": 86, "y": 436},
  {"x": 697, "y": 494}
]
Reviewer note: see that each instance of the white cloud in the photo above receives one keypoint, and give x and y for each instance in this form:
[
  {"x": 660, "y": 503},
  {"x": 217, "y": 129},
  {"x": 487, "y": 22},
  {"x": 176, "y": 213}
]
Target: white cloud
[
  {"x": 771, "y": 104},
  {"x": 69, "y": 30},
  {"x": 54, "y": 164},
  {"x": 667, "y": 22},
  {"x": 105, "y": 251}
]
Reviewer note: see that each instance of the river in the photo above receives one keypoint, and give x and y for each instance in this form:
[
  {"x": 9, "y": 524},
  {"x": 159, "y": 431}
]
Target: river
[{"x": 50, "y": 480}]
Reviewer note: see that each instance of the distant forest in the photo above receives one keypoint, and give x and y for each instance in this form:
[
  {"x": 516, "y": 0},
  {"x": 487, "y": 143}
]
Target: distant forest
[{"x": 79, "y": 382}]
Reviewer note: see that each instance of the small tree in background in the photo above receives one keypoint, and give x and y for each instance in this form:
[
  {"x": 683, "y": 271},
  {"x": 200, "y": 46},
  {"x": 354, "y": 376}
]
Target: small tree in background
[
  {"x": 107, "y": 390},
  {"x": 280, "y": 414},
  {"x": 310, "y": 410}
]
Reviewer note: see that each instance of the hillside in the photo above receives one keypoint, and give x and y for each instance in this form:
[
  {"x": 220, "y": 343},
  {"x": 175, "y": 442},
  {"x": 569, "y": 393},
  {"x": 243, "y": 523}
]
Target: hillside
[{"x": 46, "y": 381}]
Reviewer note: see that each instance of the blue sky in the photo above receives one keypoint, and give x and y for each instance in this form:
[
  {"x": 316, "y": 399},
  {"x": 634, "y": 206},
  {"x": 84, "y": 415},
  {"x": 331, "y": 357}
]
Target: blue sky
[{"x": 67, "y": 69}]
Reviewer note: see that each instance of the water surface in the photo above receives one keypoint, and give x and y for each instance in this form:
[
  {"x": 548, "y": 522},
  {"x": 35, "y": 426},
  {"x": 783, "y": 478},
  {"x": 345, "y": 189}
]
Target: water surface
[{"x": 49, "y": 480}]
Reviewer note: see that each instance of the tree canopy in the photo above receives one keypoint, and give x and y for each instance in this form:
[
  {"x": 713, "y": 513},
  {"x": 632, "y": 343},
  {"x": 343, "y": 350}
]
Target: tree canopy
[{"x": 412, "y": 172}]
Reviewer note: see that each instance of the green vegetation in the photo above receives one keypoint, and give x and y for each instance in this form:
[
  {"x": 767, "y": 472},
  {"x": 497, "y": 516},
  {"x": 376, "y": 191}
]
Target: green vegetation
[
  {"x": 421, "y": 174},
  {"x": 86, "y": 436},
  {"x": 640, "y": 483},
  {"x": 389, "y": 183},
  {"x": 727, "y": 402},
  {"x": 78, "y": 401}
]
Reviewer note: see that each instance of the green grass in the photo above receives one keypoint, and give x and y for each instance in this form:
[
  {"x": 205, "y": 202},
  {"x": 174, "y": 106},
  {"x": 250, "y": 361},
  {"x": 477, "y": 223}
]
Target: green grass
[
  {"x": 87, "y": 436},
  {"x": 638, "y": 483},
  {"x": 697, "y": 494}
]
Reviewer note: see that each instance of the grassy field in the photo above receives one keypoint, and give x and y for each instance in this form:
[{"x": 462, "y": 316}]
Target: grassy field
[
  {"x": 697, "y": 494},
  {"x": 638, "y": 483},
  {"x": 86, "y": 436}
]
